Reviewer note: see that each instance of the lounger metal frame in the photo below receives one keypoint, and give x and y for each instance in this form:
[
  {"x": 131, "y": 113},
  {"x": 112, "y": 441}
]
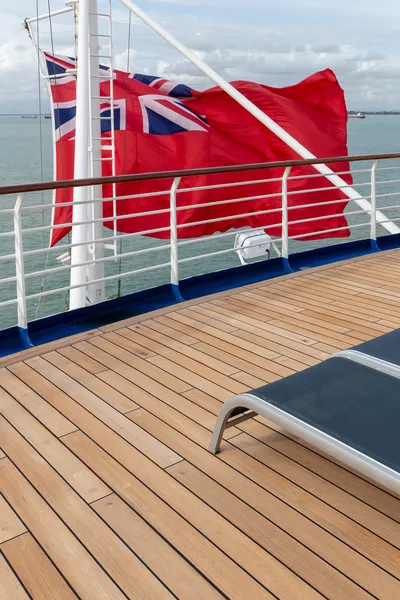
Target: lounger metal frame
[
  {"x": 348, "y": 455},
  {"x": 378, "y": 364}
]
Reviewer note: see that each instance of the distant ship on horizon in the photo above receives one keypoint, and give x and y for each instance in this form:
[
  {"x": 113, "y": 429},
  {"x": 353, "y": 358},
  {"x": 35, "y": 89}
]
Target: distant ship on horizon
[
  {"x": 357, "y": 116},
  {"x": 35, "y": 116}
]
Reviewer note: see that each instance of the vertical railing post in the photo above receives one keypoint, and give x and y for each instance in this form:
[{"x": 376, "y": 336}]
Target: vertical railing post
[
  {"x": 174, "y": 239},
  {"x": 285, "y": 220},
  {"x": 373, "y": 205},
  {"x": 20, "y": 273}
]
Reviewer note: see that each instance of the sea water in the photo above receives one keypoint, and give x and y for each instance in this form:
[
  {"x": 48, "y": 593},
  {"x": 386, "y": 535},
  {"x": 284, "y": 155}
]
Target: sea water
[{"x": 26, "y": 156}]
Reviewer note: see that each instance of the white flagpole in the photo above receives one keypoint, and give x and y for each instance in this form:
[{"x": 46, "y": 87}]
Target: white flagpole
[
  {"x": 79, "y": 250},
  {"x": 261, "y": 116},
  {"x": 95, "y": 271}
]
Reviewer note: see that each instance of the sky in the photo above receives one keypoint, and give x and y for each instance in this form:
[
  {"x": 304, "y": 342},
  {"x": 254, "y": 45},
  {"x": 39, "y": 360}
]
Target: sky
[{"x": 275, "y": 42}]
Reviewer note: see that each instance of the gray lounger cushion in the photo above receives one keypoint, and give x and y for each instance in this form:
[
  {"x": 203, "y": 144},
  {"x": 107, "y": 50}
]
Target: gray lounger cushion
[
  {"x": 348, "y": 401},
  {"x": 386, "y": 347}
]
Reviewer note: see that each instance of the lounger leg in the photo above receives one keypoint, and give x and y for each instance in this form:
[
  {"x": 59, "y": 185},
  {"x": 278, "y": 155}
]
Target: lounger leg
[
  {"x": 223, "y": 418},
  {"x": 218, "y": 432}
]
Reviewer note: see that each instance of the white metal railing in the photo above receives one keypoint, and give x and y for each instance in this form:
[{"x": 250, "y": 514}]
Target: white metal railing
[{"x": 143, "y": 257}]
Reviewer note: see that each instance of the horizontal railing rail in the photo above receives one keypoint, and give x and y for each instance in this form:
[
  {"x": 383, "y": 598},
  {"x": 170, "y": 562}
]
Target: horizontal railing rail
[
  {"x": 162, "y": 251},
  {"x": 67, "y": 183}
]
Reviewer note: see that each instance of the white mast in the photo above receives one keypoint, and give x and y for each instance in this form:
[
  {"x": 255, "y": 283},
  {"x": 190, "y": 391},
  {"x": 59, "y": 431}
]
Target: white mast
[
  {"x": 87, "y": 164},
  {"x": 95, "y": 271},
  {"x": 79, "y": 250},
  {"x": 261, "y": 116}
]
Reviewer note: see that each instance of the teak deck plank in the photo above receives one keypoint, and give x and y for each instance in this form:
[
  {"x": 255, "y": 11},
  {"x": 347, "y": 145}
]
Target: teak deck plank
[
  {"x": 35, "y": 570},
  {"x": 114, "y": 419},
  {"x": 287, "y": 445},
  {"x": 249, "y": 381},
  {"x": 276, "y": 340},
  {"x": 344, "y": 282},
  {"x": 231, "y": 313},
  {"x": 109, "y": 551},
  {"x": 208, "y": 320},
  {"x": 309, "y": 302},
  {"x": 80, "y": 374},
  {"x": 254, "y": 300},
  {"x": 183, "y": 323},
  {"x": 357, "y": 511},
  {"x": 241, "y": 364},
  {"x": 10, "y": 524},
  {"x": 10, "y": 586},
  {"x": 326, "y": 331},
  {"x": 195, "y": 380},
  {"x": 83, "y": 572},
  {"x": 41, "y": 410},
  {"x": 233, "y": 472},
  {"x": 259, "y": 356},
  {"x": 83, "y": 481},
  {"x": 256, "y": 337},
  {"x": 166, "y": 346},
  {"x": 181, "y": 578},
  {"x": 81, "y": 359},
  {"x": 248, "y": 334},
  {"x": 134, "y": 384},
  {"x": 215, "y": 528},
  {"x": 216, "y": 361},
  {"x": 107, "y": 489},
  {"x": 314, "y": 324},
  {"x": 174, "y": 383},
  {"x": 256, "y": 526},
  {"x": 294, "y": 332},
  {"x": 180, "y": 411}
]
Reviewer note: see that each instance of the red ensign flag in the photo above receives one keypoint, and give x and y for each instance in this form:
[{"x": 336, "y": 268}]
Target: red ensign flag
[{"x": 164, "y": 126}]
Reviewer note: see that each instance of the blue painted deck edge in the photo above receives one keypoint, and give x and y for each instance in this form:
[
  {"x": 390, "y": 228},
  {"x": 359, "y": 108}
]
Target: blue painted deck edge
[
  {"x": 227, "y": 279},
  {"x": 11, "y": 341},
  {"x": 389, "y": 242},
  {"x": 331, "y": 254},
  {"x": 14, "y": 339}
]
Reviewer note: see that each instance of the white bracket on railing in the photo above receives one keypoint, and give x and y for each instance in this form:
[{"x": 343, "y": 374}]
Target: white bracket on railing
[
  {"x": 373, "y": 200},
  {"x": 19, "y": 264},
  {"x": 174, "y": 232},
  {"x": 285, "y": 222}
]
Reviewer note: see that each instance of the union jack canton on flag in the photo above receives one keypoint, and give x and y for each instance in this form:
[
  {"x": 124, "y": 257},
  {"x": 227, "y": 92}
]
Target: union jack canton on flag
[{"x": 163, "y": 113}]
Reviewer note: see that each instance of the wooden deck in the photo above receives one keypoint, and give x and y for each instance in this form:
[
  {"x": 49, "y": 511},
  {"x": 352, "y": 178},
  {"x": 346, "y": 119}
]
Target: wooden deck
[{"x": 106, "y": 487}]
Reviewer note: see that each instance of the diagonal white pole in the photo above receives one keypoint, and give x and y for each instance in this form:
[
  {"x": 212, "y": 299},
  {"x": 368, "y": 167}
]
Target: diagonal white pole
[{"x": 260, "y": 116}]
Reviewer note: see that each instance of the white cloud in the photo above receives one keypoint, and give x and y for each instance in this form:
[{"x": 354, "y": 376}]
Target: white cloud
[{"x": 268, "y": 41}]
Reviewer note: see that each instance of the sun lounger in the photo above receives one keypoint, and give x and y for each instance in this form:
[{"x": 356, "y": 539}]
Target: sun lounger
[{"x": 346, "y": 409}]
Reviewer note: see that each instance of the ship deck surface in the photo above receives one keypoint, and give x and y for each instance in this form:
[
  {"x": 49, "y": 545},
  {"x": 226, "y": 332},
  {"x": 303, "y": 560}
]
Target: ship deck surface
[{"x": 106, "y": 486}]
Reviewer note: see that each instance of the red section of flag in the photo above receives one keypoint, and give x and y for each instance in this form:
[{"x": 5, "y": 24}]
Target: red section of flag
[{"x": 159, "y": 132}]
